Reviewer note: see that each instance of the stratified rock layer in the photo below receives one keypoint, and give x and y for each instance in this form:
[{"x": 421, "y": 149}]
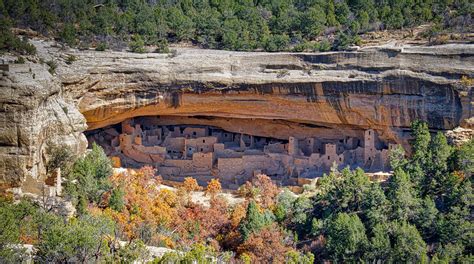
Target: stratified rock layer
[
  {"x": 383, "y": 88},
  {"x": 266, "y": 94},
  {"x": 34, "y": 115}
]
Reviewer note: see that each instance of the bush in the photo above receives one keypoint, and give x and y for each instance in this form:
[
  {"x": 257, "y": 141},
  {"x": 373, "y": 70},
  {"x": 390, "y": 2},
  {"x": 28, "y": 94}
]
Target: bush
[
  {"x": 20, "y": 60},
  {"x": 60, "y": 156},
  {"x": 88, "y": 179},
  {"x": 70, "y": 59},
  {"x": 300, "y": 47},
  {"x": 116, "y": 201},
  {"x": 102, "y": 46},
  {"x": 10, "y": 42},
  {"x": 52, "y": 66},
  {"x": 466, "y": 81},
  {"x": 12, "y": 229},
  {"x": 324, "y": 45},
  {"x": 342, "y": 42},
  {"x": 277, "y": 43},
  {"x": 432, "y": 32},
  {"x": 78, "y": 240},
  {"x": 137, "y": 45},
  {"x": 134, "y": 252},
  {"x": 68, "y": 34},
  {"x": 162, "y": 46}
]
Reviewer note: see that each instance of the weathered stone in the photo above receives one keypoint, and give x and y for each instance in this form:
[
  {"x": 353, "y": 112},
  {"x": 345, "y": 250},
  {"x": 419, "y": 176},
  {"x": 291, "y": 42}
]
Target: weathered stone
[
  {"x": 33, "y": 113},
  {"x": 278, "y": 95},
  {"x": 459, "y": 135}
]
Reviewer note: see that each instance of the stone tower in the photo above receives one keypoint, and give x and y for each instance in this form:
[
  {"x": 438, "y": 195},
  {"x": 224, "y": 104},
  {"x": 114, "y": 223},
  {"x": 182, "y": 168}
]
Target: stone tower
[
  {"x": 292, "y": 146},
  {"x": 369, "y": 146}
]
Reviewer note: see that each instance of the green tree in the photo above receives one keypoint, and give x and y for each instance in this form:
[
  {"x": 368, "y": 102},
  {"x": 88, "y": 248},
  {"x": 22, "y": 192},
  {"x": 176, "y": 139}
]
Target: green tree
[
  {"x": 88, "y": 179},
  {"x": 437, "y": 167},
  {"x": 137, "y": 44},
  {"x": 346, "y": 238},
  {"x": 284, "y": 205},
  {"x": 402, "y": 195},
  {"x": 68, "y": 34},
  {"x": 343, "y": 191},
  {"x": 277, "y": 43},
  {"x": 379, "y": 248},
  {"x": 408, "y": 246},
  {"x": 9, "y": 233},
  {"x": 208, "y": 28},
  {"x": 449, "y": 253},
  {"x": 426, "y": 219},
  {"x": 363, "y": 19},
  {"x": 463, "y": 158},
  {"x": 420, "y": 143},
  {"x": 397, "y": 242},
  {"x": 231, "y": 38},
  {"x": 342, "y": 13},
  {"x": 455, "y": 226},
  {"x": 78, "y": 240},
  {"x": 394, "y": 19},
  {"x": 375, "y": 206},
  {"x": 102, "y": 21},
  {"x": 331, "y": 14},
  {"x": 59, "y": 156},
  {"x": 117, "y": 201},
  {"x": 254, "y": 220},
  {"x": 342, "y": 41},
  {"x": 180, "y": 25},
  {"x": 295, "y": 257},
  {"x": 313, "y": 22},
  {"x": 397, "y": 158}
]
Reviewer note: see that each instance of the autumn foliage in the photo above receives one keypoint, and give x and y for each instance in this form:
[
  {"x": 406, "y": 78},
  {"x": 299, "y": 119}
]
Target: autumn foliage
[
  {"x": 262, "y": 189},
  {"x": 213, "y": 187},
  {"x": 165, "y": 217},
  {"x": 145, "y": 204},
  {"x": 266, "y": 246}
]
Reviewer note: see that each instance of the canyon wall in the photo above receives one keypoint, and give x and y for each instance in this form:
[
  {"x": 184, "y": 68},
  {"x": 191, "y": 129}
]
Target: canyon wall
[
  {"x": 34, "y": 116},
  {"x": 264, "y": 94}
]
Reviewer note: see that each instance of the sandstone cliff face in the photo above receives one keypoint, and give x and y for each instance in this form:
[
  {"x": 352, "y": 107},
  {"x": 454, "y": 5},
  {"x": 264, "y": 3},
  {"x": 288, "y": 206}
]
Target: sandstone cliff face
[
  {"x": 265, "y": 94},
  {"x": 33, "y": 114},
  {"x": 383, "y": 88}
]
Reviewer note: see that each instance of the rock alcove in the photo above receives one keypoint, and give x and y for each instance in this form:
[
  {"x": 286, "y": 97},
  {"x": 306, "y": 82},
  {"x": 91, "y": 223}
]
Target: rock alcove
[{"x": 234, "y": 150}]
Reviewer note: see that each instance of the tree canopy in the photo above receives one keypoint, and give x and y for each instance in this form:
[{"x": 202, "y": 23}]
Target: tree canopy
[
  {"x": 422, "y": 213},
  {"x": 273, "y": 25}
]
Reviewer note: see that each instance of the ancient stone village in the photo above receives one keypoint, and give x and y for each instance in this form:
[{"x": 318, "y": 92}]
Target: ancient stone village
[{"x": 205, "y": 152}]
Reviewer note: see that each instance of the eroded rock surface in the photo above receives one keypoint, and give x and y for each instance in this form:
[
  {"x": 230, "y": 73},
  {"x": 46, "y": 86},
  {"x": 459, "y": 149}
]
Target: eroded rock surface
[
  {"x": 383, "y": 88},
  {"x": 274, "y": 95},
  {"x": 33, "y": 115}
]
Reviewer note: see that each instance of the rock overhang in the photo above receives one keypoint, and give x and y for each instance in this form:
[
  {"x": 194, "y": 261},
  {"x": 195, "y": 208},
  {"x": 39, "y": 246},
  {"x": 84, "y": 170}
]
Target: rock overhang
[{"x": 382, "y": 88}]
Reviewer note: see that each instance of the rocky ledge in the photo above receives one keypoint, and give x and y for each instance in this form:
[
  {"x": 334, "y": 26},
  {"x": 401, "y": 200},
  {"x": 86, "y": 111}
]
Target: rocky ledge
[{"x": 276, "y": 95}]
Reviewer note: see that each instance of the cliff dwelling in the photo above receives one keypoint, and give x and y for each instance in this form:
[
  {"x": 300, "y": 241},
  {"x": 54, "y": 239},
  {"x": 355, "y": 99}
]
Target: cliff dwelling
[{"x": 179, "y": 150}]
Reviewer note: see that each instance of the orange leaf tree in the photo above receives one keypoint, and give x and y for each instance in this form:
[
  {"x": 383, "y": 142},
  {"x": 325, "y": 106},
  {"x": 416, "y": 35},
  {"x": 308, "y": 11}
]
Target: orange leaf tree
[{"x": 213, "y": 187}]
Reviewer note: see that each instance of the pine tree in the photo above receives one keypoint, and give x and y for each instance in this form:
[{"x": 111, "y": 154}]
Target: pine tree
[
  {"x": 402, "y": 195},
  {"x": 346, "y": 238},
  {"x": 254, "y": 220}
]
